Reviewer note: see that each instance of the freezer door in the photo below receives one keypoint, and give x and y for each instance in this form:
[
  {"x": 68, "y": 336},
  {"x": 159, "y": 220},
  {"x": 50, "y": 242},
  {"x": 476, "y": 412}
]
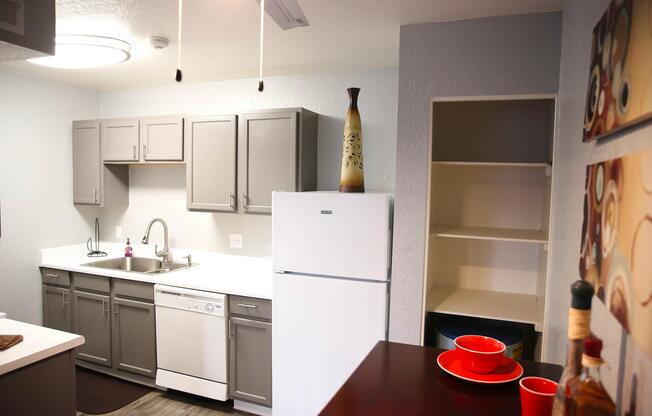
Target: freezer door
[
  {"x": 332, "y": 233},
  {"x": 322, "y": 329}
]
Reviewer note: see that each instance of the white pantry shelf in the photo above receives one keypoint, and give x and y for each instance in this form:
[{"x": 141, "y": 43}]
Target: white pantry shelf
[
  {"x": 504, "y": 306},
  {"x": 490, "y": 164},
  {"x": 490, "y": 233}
]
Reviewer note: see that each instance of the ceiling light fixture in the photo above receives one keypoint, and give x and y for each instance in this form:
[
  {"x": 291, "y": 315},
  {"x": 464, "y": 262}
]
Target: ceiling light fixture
[{"x": 85, "y": 51}]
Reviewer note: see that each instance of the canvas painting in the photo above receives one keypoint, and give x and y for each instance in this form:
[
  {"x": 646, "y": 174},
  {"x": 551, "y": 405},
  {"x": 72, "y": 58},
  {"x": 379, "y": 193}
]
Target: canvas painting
[
  {"x": 619, "y": 92},
  {"x": 616, "y": 241}
]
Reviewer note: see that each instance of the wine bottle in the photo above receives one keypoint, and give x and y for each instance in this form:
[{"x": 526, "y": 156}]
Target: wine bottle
[
  {"x": 579, "y": 327},
  {"x": 585, "y": 394}
]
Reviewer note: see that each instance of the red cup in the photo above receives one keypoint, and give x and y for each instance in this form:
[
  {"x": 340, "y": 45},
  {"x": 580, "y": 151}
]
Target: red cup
[
  {"x": 478, "y": 353},
  {"x": 537, "y": 396}
]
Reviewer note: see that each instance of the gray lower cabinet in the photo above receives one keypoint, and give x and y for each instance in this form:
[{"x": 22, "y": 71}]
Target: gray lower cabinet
[
  {"x": 134, "y": 336},
  {"x": 92, "y": 319},
  {"x": 115, "y": 316},
  {"x": 56, "y": 308},
  {"x": 277, "y": 152},
  {"x": 250, "y": 356}
]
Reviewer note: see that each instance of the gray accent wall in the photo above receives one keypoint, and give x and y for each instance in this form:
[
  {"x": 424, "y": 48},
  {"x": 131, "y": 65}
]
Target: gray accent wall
[{"x": 490, "y": 56}]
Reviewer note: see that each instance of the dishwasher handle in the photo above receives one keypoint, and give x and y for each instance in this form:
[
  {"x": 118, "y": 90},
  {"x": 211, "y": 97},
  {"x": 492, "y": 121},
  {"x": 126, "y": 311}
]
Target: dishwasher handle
[{"x": 160, "y": 290}]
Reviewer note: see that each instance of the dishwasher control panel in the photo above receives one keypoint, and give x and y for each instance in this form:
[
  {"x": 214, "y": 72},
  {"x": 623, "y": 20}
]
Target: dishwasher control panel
[{"x": 188, "y": 299}]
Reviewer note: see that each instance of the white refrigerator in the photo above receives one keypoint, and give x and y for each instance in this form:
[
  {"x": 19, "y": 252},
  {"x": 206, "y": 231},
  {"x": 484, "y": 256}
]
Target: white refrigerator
[{"x": 331, "y": 259}]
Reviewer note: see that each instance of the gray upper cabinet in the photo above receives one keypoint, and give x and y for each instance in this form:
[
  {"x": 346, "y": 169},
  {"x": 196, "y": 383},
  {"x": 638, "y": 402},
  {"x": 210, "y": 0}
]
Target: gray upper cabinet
[
  {"x": 87, "y": 165},
  {"x": 27, "y": 28},
  {"x": 93, "y": 182},
  {"x": 250, "y": 360},
  {"x": 211, "y": 163},
  {"x": 162, "y": 138},
  {"x": 120, "y": 140},
  {"x": 56, "y": 308},
  {"x": 92, "y": 319},
  {"x": 277, "y": 152},
  {"x": 134, "y": 337}
]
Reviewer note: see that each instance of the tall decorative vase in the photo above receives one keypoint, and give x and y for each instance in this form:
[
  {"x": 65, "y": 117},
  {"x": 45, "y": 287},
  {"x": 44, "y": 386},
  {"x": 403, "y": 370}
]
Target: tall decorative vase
[{"x": 352, "y": 175}]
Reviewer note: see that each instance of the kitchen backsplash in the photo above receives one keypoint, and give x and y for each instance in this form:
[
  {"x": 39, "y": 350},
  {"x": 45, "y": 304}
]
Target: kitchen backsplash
[{"x": 160, "y": 191}]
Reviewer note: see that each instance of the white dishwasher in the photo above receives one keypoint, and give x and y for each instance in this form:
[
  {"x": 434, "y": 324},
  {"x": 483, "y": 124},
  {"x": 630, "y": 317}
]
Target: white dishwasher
[{"x": 191, "y": 341}]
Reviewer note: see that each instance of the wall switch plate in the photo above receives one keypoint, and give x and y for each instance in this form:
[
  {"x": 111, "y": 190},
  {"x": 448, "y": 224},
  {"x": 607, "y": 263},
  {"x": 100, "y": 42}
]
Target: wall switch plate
[
  {"x": 235, "y": 240},
  {"x": 118, "y": 232}
]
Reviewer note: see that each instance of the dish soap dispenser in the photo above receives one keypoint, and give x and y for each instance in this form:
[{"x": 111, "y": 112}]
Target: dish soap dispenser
[{"x": 128, "y": 249}]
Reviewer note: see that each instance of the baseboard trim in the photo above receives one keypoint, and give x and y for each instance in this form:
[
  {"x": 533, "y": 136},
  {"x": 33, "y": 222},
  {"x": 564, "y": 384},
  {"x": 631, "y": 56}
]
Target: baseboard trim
[
  {"x": 256, "y": 409},
  {"x": 134, "y": 378},
  {"x": 193, "y": 385}
]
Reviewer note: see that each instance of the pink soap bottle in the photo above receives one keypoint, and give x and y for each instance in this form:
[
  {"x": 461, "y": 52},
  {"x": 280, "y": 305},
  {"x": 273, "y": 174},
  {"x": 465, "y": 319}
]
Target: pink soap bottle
[{"x": 128, "y": 249}]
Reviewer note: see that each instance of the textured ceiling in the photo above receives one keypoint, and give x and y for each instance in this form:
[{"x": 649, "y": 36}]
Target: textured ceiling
[{"x": 220, "y": 37}]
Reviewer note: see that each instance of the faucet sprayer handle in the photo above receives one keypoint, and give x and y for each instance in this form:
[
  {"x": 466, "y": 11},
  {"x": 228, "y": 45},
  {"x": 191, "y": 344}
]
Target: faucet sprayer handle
[{"x": 189, "y": 259}]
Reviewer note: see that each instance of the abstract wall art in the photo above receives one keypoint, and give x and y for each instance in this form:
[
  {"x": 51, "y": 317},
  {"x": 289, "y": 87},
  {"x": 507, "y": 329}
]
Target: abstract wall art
[
  {"x": 619, "y": 92},
  {"x": 616, "y": 248}
]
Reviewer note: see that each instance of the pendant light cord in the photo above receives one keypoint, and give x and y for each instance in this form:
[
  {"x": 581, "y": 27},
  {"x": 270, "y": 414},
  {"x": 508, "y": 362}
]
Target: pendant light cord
[
  {"x": 179, "y": 75},
  {"x": 261, "y": 85}
]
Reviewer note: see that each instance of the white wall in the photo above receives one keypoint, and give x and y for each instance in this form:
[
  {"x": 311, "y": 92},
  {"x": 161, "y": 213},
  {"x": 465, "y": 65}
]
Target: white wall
[
  {"x": 571, "y": 158},
  {"x": 36, "y": 183},
  {"x": 160, "y": 191}
]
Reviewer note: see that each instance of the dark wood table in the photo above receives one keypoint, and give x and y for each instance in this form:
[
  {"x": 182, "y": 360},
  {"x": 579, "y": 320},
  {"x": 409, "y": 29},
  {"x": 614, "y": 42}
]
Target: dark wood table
[{"x": 400, "y": 379}]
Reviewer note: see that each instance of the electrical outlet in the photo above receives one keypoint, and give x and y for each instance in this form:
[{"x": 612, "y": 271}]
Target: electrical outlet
[
  {"x": 118, "y": 232},
  {"x": 235, "y": 240}
]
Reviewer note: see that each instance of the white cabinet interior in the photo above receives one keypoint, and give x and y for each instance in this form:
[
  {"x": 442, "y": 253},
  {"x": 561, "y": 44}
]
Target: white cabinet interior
[{"x": 489, "y": 208}]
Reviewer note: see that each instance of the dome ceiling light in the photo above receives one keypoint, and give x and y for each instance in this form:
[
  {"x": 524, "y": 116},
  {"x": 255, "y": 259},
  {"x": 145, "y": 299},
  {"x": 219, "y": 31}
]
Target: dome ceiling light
[{"x": 85, "y": 51}]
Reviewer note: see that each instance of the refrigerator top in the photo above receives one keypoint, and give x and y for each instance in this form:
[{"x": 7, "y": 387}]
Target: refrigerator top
[{"x": 335, "y": 234}]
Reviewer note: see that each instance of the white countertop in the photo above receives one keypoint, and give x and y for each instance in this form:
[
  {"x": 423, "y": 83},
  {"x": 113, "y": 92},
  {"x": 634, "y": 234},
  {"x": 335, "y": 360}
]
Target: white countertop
[
  {"x": 38, "y": 344},
  {"x": 214, "y": 272}
]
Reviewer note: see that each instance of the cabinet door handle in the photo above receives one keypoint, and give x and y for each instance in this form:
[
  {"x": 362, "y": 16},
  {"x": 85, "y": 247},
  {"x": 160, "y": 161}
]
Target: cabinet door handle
[
  {"x": 115, "y": 308},
  {"x": 95, "y": 195},
  {"x": 144, "y": 151},
  {"x": 247, "y": 305},
  {"x": 134, "y": 153},
  {"x": 52, "y": 275},
  {"x": 232, "y": 201},
  {"x": 105, "y": 304},
  {"x": 245, "y": 202},
  {"x": 65, "y": 299}
]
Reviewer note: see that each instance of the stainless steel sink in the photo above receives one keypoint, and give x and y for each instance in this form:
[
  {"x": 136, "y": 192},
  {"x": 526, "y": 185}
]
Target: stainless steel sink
[{"x": 138, "y": 265}]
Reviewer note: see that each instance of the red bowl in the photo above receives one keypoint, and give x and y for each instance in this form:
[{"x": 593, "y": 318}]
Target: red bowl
[{"x": 478, "y": 353}]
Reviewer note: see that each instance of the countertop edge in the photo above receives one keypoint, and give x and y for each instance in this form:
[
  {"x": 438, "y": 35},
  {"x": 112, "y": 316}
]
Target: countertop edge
[
  {"x": 138, "y": 278},
  {"x": 72, "y": 342}
]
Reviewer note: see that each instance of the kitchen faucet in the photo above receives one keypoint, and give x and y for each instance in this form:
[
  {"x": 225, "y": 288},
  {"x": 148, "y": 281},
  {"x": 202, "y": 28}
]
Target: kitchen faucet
[{"x": 163, "y": 254}]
